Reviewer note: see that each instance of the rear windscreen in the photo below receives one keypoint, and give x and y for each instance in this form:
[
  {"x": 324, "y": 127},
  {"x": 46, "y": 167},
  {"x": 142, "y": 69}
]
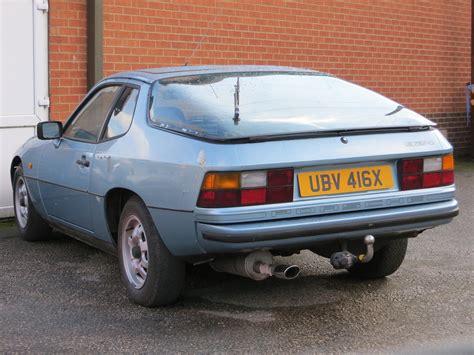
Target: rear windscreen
[{"x": 252, "y": 104}]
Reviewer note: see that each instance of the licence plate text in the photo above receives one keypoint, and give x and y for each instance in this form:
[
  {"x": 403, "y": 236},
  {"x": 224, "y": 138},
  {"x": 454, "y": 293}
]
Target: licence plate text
[{"x": 329, "y": 182}]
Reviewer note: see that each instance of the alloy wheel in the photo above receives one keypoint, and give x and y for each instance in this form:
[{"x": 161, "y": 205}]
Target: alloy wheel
[
  {"x": 135, "y": 251},
  {"x": 21, "y": 202}
]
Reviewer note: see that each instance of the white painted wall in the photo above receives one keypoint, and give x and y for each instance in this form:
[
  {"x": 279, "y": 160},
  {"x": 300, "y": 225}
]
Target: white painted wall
[{"x": 23, "y": 81}]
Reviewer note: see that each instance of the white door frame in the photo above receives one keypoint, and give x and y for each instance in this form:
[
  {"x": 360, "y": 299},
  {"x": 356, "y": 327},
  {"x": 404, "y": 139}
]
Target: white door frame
[{"x": 14, "y": 128}]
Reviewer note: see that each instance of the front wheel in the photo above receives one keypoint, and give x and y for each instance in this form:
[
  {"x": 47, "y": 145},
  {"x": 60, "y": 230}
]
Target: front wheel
[
  {"x": 385, "y": 262},
  {"x": 153, "y": 277},
  {"x": 30, "y": 224}
]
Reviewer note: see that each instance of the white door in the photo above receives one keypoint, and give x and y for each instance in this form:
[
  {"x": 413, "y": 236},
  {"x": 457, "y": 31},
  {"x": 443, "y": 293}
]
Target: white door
[{"x": 23, "y": 81}]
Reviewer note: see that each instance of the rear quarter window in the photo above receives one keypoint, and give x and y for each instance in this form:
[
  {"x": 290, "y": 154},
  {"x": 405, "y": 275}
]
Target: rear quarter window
[{"x": 122, "y": 114}]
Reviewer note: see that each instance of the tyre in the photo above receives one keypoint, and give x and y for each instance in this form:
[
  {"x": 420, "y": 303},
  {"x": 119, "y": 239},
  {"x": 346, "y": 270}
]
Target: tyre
[
  {"x": 31, "y": 225},
  {"x": 385, "y": 262},
  {"x": 152, "y": 276}
]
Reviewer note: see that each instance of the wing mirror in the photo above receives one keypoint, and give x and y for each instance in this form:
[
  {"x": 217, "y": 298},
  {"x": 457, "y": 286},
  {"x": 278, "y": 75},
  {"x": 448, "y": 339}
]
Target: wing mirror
[{"x": 49, "y": 130}]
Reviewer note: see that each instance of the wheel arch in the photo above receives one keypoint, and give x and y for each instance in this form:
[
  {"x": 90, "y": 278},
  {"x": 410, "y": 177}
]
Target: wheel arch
[
  {"x": 114, "y": 202},
  {"x": 15, "y": 163}
]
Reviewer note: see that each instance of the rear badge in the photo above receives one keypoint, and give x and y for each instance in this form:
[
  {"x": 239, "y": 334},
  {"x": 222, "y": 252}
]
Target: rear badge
[{"x": 344, "y": 140}]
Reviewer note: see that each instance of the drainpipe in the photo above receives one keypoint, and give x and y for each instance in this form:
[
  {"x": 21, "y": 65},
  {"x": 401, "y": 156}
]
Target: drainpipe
[
  {"x": 472, "y": 77},
  {"x": 95, "y": 42}
]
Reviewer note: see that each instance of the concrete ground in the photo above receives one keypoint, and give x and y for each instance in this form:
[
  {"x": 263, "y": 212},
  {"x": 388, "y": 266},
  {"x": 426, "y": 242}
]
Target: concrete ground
[{"x": 64, "y": 296}]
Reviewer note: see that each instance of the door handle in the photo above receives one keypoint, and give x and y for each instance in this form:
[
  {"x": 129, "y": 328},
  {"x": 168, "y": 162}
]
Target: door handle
[{"x": 83, "y": 161}]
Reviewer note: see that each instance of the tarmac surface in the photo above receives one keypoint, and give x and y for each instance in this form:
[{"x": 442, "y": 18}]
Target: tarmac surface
[{"x": 64, "y": 296}]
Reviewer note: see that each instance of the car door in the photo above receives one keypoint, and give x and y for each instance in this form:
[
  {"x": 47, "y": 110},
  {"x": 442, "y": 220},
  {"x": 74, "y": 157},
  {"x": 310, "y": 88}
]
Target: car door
[
  {"x": 66, "y": 164},
  {"x": 109, "y": 154}
]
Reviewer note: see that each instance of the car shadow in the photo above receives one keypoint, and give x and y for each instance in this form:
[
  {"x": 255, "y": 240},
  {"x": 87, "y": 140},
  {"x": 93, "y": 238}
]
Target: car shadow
[
  {"x": 205, "y": 287},
  {"x": 206, "y": 290}
]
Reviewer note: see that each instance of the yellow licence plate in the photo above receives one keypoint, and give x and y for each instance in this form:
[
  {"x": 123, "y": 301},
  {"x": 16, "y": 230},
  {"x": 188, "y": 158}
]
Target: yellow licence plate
[{"x": 345, "y": 181}]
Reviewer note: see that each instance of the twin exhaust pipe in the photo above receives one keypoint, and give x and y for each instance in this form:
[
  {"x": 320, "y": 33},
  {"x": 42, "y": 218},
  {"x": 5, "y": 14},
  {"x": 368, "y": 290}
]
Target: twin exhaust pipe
[{"x": 258, "y": 266}]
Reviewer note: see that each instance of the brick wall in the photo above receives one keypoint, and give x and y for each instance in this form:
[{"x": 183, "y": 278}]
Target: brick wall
[
  {"x": 67, "y": 56},
  {"x": 415, "y": 52}
]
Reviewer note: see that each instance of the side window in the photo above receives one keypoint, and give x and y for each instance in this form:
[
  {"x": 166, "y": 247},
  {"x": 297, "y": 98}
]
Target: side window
[
  {"x": 122, "y": 114},
  {"x": 89, "y": 121}
]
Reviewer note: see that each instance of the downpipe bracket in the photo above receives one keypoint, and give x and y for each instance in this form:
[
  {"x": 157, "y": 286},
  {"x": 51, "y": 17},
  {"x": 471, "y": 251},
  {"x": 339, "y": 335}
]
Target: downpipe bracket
[{"x": 345, "y": 259}]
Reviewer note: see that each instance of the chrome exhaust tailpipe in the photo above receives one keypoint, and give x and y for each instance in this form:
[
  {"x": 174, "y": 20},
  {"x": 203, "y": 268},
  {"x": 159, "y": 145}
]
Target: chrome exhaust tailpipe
[
  {"x": 280, "y": 271},
  {"x": 286, "y": 272},
  {"x": 257, "y": 266}
]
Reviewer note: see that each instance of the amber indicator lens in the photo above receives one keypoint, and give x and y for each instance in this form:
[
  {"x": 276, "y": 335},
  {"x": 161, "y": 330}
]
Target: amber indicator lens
[
  {"x": 448, "y": 162},
  {"x": 221, "y": 181}
]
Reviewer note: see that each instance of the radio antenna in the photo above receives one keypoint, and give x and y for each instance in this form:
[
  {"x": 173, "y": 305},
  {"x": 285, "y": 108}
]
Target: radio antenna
[
  {"x": 203, "y": 37},
  {"x": 195, "y": 49}
]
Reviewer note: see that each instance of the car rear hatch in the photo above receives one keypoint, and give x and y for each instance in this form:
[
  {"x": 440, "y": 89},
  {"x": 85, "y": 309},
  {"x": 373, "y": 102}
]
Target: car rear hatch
[
  {"x": 340, "y": 191},
  {"x": 339, "y": 174}
]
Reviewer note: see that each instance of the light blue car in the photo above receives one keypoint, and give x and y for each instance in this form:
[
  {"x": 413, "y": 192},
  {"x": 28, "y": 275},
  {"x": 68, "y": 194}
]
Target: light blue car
[{"x": 232, "y": 165}]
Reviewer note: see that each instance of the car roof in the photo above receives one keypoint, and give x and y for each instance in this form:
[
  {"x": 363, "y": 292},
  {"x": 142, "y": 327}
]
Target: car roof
[{"x": 152, "y": 74}]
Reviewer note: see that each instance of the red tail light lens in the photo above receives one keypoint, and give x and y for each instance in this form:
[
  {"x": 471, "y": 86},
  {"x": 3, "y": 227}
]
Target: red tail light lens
[
  {"x": 280, "y": 177},
  {"x": 410, "y": 182},
  {"x": 422, "y": 173},
  {"x": 448, "y": 178},
  {"x": 223, "y": 198},
  {"x": 253, "y": 197},
  {"x": 431, "y": 180},
  {"x": 246, "y": 188},
  {"x": 280, "y": 194},
  {"x": 412, "y": 166}
]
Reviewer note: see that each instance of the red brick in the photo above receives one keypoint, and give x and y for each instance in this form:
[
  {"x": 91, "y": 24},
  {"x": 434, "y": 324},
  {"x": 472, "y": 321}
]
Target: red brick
[
  {"x": 67, "y": 55},
  {"x": 415, "y": 53}
]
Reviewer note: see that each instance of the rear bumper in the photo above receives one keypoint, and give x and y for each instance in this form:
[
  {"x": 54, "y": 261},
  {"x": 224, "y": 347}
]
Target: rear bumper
[{"x": 307, "y": 231}]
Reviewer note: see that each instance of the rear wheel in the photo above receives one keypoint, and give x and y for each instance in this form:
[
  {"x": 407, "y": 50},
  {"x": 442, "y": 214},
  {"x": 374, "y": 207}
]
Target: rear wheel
[
  {"x": 30, "y": 224},
  {"x": 152, "y": 276},
  {"x": 385, "y": 262}
]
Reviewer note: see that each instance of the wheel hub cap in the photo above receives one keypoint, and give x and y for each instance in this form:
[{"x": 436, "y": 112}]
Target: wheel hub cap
[{"x": 136, "y": 252}]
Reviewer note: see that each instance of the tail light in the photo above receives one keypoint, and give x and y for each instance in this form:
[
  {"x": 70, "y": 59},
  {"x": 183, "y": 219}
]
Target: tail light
[
  {"x": 246, "y": 188},
  {"x": 422, "y": 173}
]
